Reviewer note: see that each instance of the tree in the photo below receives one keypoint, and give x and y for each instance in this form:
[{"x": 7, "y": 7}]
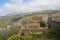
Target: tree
[
  {"x": 12, "y": 30},
  {"x": 19, "y": 37},
  {"x": 1, "y": 37},
  {"x": 14, "y": 37},
  {"x": 42, "y": 24},
  {"x": 36, "y": 36},
  {"x": 53, "y": 34}
]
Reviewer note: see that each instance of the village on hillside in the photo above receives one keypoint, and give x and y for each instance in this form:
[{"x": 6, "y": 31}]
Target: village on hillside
[{"x": 37, "y": 25}]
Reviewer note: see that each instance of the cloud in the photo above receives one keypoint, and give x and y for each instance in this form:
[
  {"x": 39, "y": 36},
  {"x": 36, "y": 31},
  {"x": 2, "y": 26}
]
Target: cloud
[
  {"x": 31, "y": 5},
  {"x": 0, "y": 10}
]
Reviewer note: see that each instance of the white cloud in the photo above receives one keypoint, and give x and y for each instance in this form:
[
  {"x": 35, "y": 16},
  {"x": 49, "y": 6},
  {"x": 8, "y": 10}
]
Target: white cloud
[
  {"x": 0, "y": 10},
  {"x": 54, "y": 2},
  {"x": 32, "y": 5}
]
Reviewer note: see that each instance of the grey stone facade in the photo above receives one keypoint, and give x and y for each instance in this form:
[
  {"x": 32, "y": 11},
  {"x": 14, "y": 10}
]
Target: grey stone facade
[{"x": 54, "y": 22}]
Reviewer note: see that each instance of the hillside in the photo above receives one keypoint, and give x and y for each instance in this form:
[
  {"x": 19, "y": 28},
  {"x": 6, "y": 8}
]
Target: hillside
[{"x": 12, "y": 19}]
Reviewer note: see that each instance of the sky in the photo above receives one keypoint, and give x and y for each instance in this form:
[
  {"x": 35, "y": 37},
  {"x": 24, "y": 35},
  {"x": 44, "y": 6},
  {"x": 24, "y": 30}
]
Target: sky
[{"x": 11, "y": 6}]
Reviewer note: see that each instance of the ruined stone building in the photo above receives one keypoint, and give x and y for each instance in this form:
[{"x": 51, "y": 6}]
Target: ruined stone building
[
  {"x": 54, "y": 22},
  {"x": 32, "y": 26}
]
